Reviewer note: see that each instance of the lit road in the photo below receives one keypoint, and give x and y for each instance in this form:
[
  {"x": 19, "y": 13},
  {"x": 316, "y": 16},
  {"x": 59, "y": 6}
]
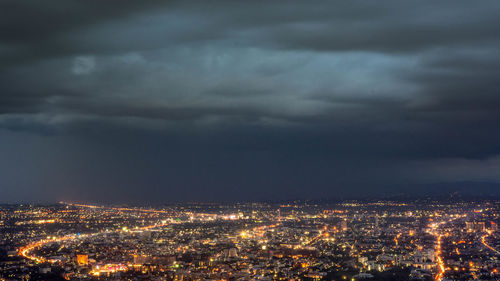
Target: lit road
[
  {"x": 438, "y": 252},
  {"x": 116, "y": 209},
  {"x": 483, "y": 241},
  {"x": 439, "y": 259},
  {"x": 435, "y": 230},
  {"x": 26, "y": 250}
]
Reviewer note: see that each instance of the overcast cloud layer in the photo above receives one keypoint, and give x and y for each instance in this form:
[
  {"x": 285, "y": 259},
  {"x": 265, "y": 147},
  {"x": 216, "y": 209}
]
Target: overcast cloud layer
[{"x": 159, "y": 101}]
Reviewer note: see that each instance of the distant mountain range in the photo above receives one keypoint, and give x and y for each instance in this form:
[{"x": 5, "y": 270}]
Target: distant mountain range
[
  {"x": 443, "y": 190},
  {"x": 465, "y": 190}
]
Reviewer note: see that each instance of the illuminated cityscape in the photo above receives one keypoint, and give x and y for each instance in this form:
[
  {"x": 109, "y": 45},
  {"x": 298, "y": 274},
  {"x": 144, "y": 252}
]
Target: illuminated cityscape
[
  {"x": 249, "y": 140},
  {"x": 352, "y": 240}
]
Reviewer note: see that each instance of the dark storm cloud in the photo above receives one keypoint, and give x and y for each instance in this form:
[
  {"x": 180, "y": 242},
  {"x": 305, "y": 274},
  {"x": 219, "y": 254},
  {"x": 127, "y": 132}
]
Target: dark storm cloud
[
  {"x": 68, "y": 27},
  {"x": 247, "y": 99},
  {"x": 32, "y": 29}
]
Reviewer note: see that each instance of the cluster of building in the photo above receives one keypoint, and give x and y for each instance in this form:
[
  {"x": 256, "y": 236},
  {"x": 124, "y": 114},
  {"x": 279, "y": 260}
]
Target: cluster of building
[{"x": 373, "y": 240}]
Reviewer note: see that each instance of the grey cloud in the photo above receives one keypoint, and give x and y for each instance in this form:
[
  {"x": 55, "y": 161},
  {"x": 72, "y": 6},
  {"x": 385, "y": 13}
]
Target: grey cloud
[
  {"x": 328, "y": 94},
  {"x": 73, "y": 27}
]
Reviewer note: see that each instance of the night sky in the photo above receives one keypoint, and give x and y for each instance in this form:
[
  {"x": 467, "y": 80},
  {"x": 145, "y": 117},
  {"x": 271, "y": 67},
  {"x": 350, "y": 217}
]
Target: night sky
[{"x": 165, "y": 101}]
